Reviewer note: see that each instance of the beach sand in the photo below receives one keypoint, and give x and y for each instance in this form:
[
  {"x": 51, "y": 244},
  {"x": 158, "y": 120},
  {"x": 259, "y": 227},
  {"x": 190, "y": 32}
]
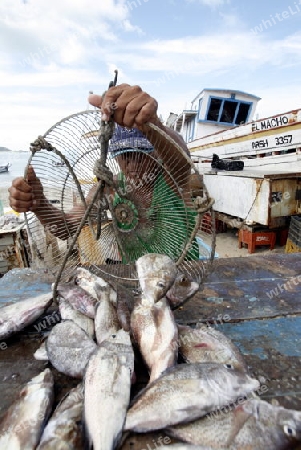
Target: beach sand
[{"x": 227, "y": 246}]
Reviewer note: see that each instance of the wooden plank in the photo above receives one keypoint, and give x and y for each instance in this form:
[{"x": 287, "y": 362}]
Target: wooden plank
[
  {"x": 267, "y": 330},
  {"x": 272, "y": 350},
  {"x": 18, "y": 366},
  {"x": 247, "y": 288},
  {"x": 19, "y": 284}
]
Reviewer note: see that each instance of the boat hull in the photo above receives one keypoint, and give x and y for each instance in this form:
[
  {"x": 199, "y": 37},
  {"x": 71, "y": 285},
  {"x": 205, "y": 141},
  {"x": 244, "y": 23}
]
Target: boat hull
[{"x": 4, "y": 169}]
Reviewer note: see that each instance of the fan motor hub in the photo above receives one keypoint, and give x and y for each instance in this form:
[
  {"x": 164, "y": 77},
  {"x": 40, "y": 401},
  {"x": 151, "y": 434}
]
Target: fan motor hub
[{"x": 126, "y": 216}]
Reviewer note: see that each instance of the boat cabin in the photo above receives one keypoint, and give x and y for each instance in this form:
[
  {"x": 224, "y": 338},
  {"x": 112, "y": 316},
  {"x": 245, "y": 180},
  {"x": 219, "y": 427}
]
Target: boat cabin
[{"x": 214, "y": 110}]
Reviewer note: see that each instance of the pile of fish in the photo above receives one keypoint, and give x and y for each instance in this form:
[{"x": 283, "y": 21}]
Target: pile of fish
[{"x": 199, "y": 391}]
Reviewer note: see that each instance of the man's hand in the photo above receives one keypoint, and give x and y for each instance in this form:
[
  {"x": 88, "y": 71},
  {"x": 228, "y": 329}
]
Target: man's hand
[
  {"x": 131, "y": 106},
  {"x": 27, "y": 195}
]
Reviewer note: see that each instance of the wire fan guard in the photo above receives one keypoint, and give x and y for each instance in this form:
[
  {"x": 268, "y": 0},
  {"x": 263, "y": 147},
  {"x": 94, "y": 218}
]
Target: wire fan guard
[{"x": 142, "y": 213}]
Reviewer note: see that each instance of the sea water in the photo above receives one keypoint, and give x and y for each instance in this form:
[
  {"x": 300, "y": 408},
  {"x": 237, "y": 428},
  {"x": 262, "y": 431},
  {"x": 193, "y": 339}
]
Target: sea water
[{"x": 18, "y": 161}]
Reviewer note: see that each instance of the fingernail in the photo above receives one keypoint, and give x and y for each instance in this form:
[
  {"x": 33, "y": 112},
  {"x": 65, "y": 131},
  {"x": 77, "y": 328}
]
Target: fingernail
[
  {"x": 34, "y": 202},
  {"x": 104, "y": 117}
]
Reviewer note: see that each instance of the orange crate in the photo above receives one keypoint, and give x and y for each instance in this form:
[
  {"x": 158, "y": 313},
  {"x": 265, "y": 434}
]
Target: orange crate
[{"x": 256, "y": 239}]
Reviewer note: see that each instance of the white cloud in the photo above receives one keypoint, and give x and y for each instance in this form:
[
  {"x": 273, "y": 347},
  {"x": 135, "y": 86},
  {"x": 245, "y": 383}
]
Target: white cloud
[
  {"x": 54, "y": 53},
  {"x": 129, "y": 27},
  {"x": 211, "y": 3},
  {"x": 25, "y": 28},
  {"x": 278, "y": 100},
  {"x": 51, "y": 77},
  {"x": 208, "y": 54}
]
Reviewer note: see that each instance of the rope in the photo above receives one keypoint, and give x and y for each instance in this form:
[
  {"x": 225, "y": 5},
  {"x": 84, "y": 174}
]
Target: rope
[
  {"x": 40, "y": 144},
  {"x": 103, "y": 173}
]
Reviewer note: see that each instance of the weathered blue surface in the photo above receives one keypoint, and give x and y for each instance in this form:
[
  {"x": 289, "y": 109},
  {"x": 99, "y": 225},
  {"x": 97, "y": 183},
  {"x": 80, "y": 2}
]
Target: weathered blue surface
[
  {"x": 266, "y": 328},
  {"x": 257, "y": 337},
  {"x": 248, "y": 288},
  {"x": 19, "y": 284}
]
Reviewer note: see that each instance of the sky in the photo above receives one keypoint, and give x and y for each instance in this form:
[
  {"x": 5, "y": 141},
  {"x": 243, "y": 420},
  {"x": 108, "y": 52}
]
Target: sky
[{"x": 54, "y": 53}]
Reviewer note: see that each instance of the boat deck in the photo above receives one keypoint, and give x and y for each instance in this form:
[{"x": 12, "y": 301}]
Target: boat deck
[{"x": 255, "y": 301}]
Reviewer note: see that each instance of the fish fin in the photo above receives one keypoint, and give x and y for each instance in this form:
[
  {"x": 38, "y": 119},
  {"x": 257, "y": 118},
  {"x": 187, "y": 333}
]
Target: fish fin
[{"x": 240, "y": 418}]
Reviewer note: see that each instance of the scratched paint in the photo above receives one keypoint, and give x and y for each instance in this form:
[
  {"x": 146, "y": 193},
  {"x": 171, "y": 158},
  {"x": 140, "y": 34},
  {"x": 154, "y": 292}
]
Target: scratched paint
[
  {"x": 283, "y": 335},
  {"x": 218, "y": 300},
  {"x": 19, "y": 284}
]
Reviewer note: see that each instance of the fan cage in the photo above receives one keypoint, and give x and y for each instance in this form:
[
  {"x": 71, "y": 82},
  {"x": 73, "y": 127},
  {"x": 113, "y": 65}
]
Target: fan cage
[{"x": 66, "y": 173}]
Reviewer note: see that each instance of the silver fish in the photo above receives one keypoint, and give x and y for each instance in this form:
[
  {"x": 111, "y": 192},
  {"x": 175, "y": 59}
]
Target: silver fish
[
  {"x": 253, "y": 425},
  {"x": 125, "y": 305},
  {"x": 69, "y": 348},
  {"x": 41, "y": 353},
  {"x": 107, "y": 385},
  {"x": 156, "y": 274},
  {"x": 93, "y": 284},
  {"x": 15, "y": 317},
  {"x": 22, "y": 425},
  {"x": 78, "y": 298},
  {"x": 67, "y": 312},
  {"x": 156, "y": 334},
  {"x": 106, "y": 318},
  {"x": 206, "y": 344},
  {"x": 102, "y": 290},
  {"x": 216, "y": 430},
  {"x": 181, "y": 290},
  {"x": 120, "y": 344},
  {"x": 186, "y": 392},
  {"x": 63, "y": 430}
]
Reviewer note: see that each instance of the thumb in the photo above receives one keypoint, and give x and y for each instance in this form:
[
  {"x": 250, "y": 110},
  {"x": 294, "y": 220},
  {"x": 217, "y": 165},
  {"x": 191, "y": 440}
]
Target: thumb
[
  {"x": 31, "y": 175},
  {"x": 95, "y": 100}
]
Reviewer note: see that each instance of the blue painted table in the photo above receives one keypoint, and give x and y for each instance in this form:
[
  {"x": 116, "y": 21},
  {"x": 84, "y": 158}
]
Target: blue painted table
[{"x": 254, "y": 300}]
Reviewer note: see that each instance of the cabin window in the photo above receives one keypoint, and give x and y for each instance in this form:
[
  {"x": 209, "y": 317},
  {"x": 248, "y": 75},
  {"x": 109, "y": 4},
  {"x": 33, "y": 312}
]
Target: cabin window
[
  {"x": 243, "y": 113},
  {"x": 214, "y": 109},
  {"x": 230, "y": 111}
]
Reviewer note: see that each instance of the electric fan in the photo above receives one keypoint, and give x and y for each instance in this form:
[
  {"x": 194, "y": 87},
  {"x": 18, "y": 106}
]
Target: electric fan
[{"x": 129, "y": 216}]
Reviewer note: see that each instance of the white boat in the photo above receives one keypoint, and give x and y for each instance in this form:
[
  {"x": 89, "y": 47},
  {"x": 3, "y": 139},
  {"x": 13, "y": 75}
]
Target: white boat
[
  {"x": 270, "y": 144},
  {"x": 268, "y": 188},
  {"x": 4, "y": 168},
  {"x": 220, "y": 121}
]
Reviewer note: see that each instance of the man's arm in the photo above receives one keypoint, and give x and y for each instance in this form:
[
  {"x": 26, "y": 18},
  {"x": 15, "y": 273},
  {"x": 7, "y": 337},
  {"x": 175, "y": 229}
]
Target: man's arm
[
  {"x": 132, "y": 107},
  {"x": 27, "y": 195}
]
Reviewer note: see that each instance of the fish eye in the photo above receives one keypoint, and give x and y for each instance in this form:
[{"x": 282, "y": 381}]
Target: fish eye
[
  {"x": 161, "y": 284},
  {"x": 289, "y": 431},
  {"x": 228, "y": 366}
]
